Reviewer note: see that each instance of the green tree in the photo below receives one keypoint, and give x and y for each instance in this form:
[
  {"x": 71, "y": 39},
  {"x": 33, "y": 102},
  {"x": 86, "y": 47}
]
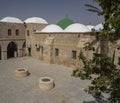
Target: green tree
[{"x": 108, "y": 76}]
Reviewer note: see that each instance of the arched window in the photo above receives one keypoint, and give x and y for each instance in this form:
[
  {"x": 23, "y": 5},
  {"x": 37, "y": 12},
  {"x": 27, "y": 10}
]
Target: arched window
[
  {"x": 9, "y": 32},
  {"x": 17, "y": 32}
]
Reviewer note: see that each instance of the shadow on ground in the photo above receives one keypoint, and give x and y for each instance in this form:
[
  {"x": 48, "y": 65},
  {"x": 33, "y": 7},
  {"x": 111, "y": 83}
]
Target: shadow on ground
[{"x": 98, "y": 99}]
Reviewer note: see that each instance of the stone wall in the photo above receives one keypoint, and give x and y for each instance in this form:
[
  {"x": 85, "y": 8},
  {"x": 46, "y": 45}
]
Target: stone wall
[
  {"x": 6, "y": 39},
  {"x": 65, "y": 43}
]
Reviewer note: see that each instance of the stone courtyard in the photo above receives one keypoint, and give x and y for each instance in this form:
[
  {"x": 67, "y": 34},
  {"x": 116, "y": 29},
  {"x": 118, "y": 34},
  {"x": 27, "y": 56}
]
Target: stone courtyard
[{"x": 67, "y": 89}]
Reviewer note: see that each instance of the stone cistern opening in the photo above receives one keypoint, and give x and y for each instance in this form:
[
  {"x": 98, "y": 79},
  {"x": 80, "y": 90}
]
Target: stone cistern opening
[
  {"x": 46, "y": 83},
  {"x": 21, "y": 72}
]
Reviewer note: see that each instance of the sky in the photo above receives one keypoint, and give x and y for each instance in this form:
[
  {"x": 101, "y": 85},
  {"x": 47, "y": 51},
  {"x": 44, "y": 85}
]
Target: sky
[{"x": 50, "y": 10}]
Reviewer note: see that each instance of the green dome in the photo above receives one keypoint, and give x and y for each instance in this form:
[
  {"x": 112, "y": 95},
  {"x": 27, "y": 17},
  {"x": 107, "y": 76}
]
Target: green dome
[{"x": 65, "y": 22}]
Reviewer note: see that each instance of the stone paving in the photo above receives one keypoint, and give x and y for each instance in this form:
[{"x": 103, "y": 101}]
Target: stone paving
[{"x": 26, "y": 90}]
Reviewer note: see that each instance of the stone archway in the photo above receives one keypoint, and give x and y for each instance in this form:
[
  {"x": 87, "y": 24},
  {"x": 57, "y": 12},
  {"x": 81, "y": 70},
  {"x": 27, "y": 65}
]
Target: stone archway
[
  {"x": 0, "y": 52},
  {"x": 11, "y": 50}
]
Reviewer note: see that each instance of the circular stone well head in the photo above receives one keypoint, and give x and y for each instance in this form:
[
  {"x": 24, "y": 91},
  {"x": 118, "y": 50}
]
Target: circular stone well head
[
  {"x": 21, "y": 72},
  {"x": 46, "y": 83}
]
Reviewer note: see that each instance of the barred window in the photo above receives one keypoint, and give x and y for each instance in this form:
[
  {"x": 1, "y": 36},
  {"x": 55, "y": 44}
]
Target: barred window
[{"x": 74, "y": 54}]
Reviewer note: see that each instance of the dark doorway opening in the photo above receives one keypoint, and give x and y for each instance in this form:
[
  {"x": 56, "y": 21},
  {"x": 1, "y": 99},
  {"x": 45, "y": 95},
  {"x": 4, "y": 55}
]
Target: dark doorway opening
[
  {"x": 24, "y": 49},
  {"x": 29, "y": 51},
  {"x": 11, "y": 50}
]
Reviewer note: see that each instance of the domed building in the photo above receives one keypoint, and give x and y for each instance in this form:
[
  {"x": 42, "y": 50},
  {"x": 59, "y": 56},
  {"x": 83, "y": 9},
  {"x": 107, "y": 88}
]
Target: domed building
[
  {"x": 58, "y": 43},
  {"x": 52, "y": 44},
  {"x": 65, "y": 23}
]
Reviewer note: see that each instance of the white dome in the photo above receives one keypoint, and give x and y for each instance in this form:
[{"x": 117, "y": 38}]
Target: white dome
[
  {"x": 77, "y": 28},
  {"x": 90, "y": 27},
  {"x": 11, "y": 20},
  {"x": 36, "y": 20},
  {"x": 52, "y": 28},
  {"x": 99, "y": 27}
]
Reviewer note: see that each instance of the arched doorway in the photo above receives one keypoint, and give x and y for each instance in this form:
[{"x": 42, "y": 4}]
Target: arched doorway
[
  {"x": 0, "y": 52},
  {"x": 11, "y": 50},
  {"x": 24, "y": 49}
]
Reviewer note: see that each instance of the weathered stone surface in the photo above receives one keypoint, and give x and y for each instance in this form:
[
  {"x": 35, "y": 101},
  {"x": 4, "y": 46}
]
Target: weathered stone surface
[{"x": 26, "y": 90}]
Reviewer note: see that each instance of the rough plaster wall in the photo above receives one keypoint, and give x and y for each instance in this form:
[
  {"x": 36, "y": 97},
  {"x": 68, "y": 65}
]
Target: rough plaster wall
[{"x": 64, "y": 42}]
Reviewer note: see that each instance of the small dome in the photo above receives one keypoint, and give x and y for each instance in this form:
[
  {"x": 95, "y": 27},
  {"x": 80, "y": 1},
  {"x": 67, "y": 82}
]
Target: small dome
[
  {"x": 52, "y": 28},
  {"x": 77, "y": 28},
  {"x": 65, "y": 22},
  {"x": 90, "y": 27},
  {"x": 11, "y": 20},
  {"x": 99, "y": 27},
  {"x": 36, "y": 20}
]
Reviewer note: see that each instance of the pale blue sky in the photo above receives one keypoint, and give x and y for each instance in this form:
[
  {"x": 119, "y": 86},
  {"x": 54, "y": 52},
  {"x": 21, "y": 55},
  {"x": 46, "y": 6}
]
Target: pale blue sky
[{"x": 50, "y": 10}]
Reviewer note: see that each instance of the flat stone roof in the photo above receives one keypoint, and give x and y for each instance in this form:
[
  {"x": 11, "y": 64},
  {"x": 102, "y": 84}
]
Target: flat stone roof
[{"x": 26, "y": 90}]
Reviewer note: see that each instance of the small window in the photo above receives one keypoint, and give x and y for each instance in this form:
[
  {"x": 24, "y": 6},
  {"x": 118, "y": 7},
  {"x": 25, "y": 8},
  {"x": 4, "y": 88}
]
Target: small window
[
  {"x": 28, "y": 33},
  {"x": 17, "y": 32},
  {"x": 56, "y": 52},
  {"x": 74, "y": 54},
  {"x": 9, "y": 32}
]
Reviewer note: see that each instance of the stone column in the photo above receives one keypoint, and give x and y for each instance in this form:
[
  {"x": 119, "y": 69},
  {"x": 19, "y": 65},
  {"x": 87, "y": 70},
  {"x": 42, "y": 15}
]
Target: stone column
[
  {"x": 19, "y": 52},
  {"x": 4, "y": 55}
]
